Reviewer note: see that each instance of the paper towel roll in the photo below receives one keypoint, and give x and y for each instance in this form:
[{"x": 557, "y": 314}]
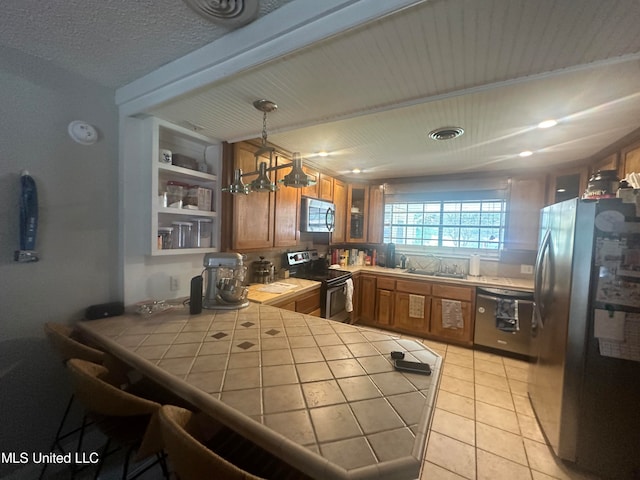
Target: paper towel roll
[{"x": 474, "y": 265}]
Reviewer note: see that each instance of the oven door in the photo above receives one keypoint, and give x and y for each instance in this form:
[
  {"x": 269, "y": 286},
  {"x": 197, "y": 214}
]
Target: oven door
[{"x": 334, "y": 303}]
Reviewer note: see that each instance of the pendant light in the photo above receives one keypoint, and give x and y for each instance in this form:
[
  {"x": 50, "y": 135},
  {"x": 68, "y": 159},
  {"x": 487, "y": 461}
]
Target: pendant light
[
  {"x": 238, "y": 185},
  {"x": 296, "y": 178}
]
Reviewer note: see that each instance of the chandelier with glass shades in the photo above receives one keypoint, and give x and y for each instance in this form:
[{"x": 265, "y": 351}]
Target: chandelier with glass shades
[{"x": 295, "y": 178}]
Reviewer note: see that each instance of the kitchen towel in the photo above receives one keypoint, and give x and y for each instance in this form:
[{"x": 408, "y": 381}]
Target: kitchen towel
[
  {"x": 452, "y": 314},
  {"x": 348, "y": 290},
  {"x": 507, "y": 315},
  {"x": 416, "y": 306}
]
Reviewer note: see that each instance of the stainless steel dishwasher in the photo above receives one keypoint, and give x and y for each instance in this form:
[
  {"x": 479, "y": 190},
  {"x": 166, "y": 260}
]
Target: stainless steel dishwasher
[{"x": 503, "y": 320}]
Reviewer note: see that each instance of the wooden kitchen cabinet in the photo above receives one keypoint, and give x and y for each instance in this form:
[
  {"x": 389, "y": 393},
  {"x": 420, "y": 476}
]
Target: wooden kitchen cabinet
[
  {"x": 466, "y": 297},
  {"x": 287, "y": 211},
  {"x": 385, "y": 303},
  {"x": 375, "y": 214},
  {"x": 307, "y": 302},
  {"x": 385, "y": 295},
  {"x": 567, "y": 184},
  {"x": 630, "y": 160},
  {"x": 325, "y": 187},
  {"x": 526, "y": 198},
  {"x": 403, "y": 318},
  {"x": 340, "y": 201},
  {"x": 384, "y": 307},
  {"x": 253, "y": 214},
  {"x": 610, "y": 162},
  {"x": 357, "y": 207},
  {"x": 312, "y": 190},
  {"x": 366, "y": 294},
  {"x": 264, "y": 219}
]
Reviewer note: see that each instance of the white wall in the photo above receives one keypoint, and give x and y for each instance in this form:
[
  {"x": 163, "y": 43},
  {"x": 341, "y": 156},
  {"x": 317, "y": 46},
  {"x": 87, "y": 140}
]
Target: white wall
[{"x": 77, "y": 237}]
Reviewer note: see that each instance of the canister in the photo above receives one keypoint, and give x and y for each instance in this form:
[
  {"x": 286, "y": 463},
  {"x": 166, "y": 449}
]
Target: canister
[
  {"x": 603, "y": 184},
  {"x": 164, "y": 238},
  {"x": 182, "y": 234},
  {"x": 201, "y": 234},
  {"x": 175, "y": 194},
  {"x": 263, "y": 271}
]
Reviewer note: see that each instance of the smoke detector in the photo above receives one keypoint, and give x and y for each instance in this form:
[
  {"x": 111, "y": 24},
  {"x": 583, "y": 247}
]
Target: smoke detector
[
  {"x": 234, "y": 13},
  {"x": 445, "y": 133}
]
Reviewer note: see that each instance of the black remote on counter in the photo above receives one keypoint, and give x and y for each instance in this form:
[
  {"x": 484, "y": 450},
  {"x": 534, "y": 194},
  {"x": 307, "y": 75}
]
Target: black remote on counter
[{"x": 413, "y": 367}]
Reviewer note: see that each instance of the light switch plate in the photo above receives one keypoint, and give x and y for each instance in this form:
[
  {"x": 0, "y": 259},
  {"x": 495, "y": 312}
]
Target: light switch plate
[{"x": 526, "y": 268}]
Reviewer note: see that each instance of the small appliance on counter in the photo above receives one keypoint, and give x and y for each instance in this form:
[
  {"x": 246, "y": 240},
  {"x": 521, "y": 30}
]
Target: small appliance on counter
[
  {"x": 224, "y": 275},
  {"x": 263, "y": 271},
  {"x": 389, "y": 260}
]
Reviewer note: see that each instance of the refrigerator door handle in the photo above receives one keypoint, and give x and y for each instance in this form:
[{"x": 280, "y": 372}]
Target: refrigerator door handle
[{"x": 537, "y": 285}]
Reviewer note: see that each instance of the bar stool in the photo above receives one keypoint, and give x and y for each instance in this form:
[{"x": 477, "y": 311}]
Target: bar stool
[
  {"x": 122, "y": 417},
  {"x": 61, "y": 338},
  {"x": 226, "y": 454}
]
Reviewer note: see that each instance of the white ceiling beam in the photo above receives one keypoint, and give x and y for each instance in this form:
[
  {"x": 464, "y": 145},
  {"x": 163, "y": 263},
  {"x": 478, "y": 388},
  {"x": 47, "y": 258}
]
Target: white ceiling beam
[{"x": 293, "y": 26}]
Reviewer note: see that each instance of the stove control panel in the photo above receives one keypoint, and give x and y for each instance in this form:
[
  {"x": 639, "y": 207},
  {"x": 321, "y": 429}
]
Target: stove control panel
[{"x": 298, "y": 258}]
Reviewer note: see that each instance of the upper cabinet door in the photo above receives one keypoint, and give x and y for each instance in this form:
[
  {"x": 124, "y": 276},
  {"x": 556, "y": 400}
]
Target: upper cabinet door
[
  {"x": 287, "y": 212},
  {"x": 314, "y": 190},
  {"x": 357, "y": 212},
  {"x": 610, "y": 162},
  {"x": 375, "y": 214},
  {"x": 253, "y": 214},
  {"x": 325, "y": 187},
  {"x": 526, "y": 199},
  {"x": 630, "y": 160},
  {"x": 340, "y": 201}
]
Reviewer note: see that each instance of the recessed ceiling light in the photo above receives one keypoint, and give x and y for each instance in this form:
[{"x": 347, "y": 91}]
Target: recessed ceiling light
[
  {"x": 526, "y": 153},
  {"x": 356, "y": 170},
  {"x": 547, "y": 124},
  {"x": 445, "y": 133},
  {"x": 322, "y": 154}
]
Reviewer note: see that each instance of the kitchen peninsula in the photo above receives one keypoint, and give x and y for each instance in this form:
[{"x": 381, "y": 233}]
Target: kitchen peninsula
[{"x": 322, "y": 395}]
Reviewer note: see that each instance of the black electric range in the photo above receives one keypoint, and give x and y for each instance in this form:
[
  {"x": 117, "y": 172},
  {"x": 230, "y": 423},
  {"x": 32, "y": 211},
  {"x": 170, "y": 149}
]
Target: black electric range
[{"x": 333, "y": 289}]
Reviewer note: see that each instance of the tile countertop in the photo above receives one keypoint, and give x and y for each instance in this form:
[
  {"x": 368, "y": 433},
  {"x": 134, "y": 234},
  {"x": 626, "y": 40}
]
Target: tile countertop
[
  {"x": 482, "y": 281},
  {"x": 266, "y": 293},
  {"x": 323, "y": 395},
  {"x": 257, "y": 295}
]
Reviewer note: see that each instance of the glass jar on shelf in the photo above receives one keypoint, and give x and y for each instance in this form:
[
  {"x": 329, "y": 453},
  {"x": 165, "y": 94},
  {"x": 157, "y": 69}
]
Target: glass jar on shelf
[{"x": 182, "y": 232}]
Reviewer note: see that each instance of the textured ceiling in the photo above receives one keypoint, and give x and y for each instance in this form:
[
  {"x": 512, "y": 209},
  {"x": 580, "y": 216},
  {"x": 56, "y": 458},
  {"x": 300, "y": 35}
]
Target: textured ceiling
[
  {"x": 371, "y": 94},
  {"x": 111, "y": 42}
]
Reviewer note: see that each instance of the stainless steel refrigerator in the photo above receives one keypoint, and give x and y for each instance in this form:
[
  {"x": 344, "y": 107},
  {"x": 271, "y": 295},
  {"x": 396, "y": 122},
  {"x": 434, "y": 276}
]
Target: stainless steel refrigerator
[{"x": 584, "y": 379}]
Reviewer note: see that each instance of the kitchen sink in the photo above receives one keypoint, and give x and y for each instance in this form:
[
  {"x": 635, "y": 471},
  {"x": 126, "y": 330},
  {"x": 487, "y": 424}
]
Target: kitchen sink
[{"x": 437, "y": 274}]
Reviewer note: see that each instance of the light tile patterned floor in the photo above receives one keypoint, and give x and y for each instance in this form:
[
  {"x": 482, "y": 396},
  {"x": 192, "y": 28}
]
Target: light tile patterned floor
[{"x": 483, "y": 426}]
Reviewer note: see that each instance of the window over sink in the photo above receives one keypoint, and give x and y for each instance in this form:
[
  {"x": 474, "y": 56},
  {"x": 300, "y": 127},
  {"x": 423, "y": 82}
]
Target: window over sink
[{"x": 477, "y": 224}]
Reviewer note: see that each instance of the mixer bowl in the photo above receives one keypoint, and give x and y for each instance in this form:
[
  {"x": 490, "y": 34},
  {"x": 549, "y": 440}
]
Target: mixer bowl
[{"x": 231, "y": 290}]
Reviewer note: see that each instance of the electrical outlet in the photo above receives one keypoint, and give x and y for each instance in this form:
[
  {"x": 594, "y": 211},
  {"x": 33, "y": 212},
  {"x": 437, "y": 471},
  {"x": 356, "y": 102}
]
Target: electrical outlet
[
  {"x": 526, "y": 268},
  {"x": 174, "y": 284}
]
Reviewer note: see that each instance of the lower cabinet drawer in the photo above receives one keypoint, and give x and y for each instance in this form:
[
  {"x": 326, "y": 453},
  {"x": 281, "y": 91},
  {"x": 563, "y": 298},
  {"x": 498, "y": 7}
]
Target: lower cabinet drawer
[
  {"x": 453, "y": 293},
  {"x": 386, "y": 283},
  {"x": 420, "y": 288}
]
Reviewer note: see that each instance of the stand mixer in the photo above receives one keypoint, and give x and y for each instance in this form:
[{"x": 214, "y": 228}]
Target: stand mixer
[{"x": 224, "y": 274}]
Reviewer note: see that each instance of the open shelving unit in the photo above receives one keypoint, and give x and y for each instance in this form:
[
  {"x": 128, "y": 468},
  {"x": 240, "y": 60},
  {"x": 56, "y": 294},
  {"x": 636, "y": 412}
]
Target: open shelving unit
[{"x": 207, "y": 152}]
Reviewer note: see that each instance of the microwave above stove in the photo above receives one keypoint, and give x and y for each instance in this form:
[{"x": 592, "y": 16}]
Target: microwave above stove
[{"x": 317, "y": 215}]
